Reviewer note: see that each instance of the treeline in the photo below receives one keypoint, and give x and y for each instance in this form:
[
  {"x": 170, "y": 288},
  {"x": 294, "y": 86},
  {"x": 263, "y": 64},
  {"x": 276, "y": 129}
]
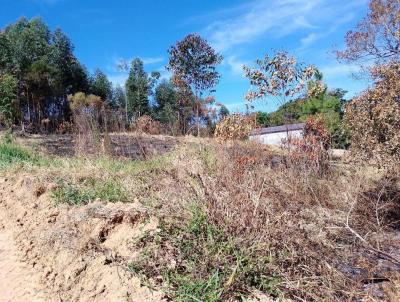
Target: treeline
[{"x": 38, "y": 70}]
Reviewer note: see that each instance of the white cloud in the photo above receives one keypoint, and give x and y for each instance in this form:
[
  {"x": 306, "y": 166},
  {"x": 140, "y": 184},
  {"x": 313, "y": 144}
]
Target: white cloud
[
  {"x": 277, "y": 18},
  {"x": 339, "y": 70},
  {"x": 309, "y": 39},
  {"x": 235, "y": 65},
  {"x": 152, "y": 60}
]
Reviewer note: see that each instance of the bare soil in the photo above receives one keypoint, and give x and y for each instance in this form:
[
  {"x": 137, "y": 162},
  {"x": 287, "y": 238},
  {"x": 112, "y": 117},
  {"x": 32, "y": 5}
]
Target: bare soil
[{"x": 64, "y": 253}]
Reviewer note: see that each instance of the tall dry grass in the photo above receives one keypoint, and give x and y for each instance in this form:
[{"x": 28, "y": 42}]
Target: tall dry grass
[{"x": 261, "y": 222}]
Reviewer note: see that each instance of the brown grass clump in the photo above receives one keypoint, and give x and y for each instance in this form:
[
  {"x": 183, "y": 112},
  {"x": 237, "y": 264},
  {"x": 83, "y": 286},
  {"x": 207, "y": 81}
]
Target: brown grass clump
[
  {"x": 234, "y": 127},
  {"x": 310, "y": 152},
  {"x": 145, "y": 124}
]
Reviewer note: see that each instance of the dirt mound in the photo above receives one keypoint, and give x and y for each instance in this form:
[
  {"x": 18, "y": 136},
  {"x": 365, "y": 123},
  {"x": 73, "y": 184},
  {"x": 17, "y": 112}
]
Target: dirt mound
[{"x": 77, "y": 254}]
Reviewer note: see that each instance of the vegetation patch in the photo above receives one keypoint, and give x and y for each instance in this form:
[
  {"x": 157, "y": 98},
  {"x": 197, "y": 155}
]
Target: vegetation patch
[
  {"x": 10, "y": 154},
  {"x": 199, "y": 261},
  {"x": 89, "y": 190}
]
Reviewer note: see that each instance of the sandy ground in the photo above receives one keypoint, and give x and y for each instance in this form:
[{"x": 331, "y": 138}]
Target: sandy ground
[
  {"x": 50, "y": 253},
  {"x": 18, "y": 281}
]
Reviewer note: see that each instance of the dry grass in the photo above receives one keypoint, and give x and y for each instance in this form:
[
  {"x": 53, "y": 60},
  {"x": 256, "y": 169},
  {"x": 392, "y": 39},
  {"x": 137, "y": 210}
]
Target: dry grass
[
  {"x": 268, "y": 225},
  {"x": 237, "y": 217}
]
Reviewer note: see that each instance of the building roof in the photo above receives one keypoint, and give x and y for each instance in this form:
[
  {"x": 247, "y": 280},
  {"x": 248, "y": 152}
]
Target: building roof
[{"x": 275, "y": 129}]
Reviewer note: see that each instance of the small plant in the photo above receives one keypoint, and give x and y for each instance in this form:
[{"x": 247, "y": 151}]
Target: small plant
[
  {"x": 10, "y": 153},
  {"x": 90, "y": 190},
  {"x": 7, "y": 137},
  {"x": 198, "y": 261}
]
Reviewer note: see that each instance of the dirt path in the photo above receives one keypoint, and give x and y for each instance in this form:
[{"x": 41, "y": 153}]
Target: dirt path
[{"x": 18, "y": 281}]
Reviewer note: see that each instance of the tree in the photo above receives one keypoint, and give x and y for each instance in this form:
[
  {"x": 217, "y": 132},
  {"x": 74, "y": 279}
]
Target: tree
[
  {"x": 376, "y": 37},
  {"x": 43, "y": 64},
  {"x": 101, "y": 86},
  {"x": 263, "y": 119},
  {"x": 118, "y": 97},
  {"x": 8, "y": 94},
  {"x": 29, "y": 42},
  {"x": 72, "y": 76},
  {"x": 165, "y": 95},
  {"x": 373, "y": 118},
  {"x": 139, "y": 87},
  {"x": 223, "y": 111},
  {"x": 166, "y": 109},
  {"x": 280, "y": 76},
  {"x": 193, "y": 63},
  {"x": 40, "y": 80}
]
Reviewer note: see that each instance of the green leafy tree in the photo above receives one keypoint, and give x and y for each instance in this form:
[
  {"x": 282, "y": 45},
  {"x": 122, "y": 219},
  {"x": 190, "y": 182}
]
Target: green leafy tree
[
  {"x": 72, "y": 76},
  {"x": 166, "y": 109},
  {"x": 193, "y": 63},
  {"x": 40, "y": 80},
  {"x": 165, "y": 94},
  {"x": 118, "y": 97},
  {"x": 8, "y": 94},
  {"x": 29, "y": 41},
  {"x": 223, "y": 111},
  {"x": 263, "y": 119},
  {"x": 43, "y": 64},
  {"x": 139, "y": 87},
  {"x": 101, "y": 86}
]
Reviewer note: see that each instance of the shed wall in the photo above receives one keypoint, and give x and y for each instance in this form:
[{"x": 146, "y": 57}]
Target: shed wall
[{"x": 277, "y": 137}]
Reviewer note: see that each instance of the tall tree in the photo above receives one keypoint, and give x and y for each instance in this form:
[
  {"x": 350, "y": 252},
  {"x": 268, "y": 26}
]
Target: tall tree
[
  {"x": 41, "y": 80},
  {"x": 280, "y": 76},
  {"x": 73, "y": 77},
  {"x": 166, "y": 109},
  {"x": 223, "y": 111},
  {"x": 376, "y": 37},
  {"x": 43, "y": 64},
  {"x": 29, "y": 42},
  {"x": 8, "y": 94},
  {"x": 101, "y": 86},
  {"x": 193, "y": 61},
  {"x": 119, "y": 97},
  {"x": 139, "y": 87}
]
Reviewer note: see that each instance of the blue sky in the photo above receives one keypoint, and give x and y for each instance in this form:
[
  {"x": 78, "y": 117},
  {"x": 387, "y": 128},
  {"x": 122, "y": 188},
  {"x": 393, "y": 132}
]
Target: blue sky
[{"x": 105, "y": 31}]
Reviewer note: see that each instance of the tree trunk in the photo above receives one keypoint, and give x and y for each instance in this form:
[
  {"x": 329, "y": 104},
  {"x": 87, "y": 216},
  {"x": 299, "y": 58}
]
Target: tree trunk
[{"x": 198, "y": 121}]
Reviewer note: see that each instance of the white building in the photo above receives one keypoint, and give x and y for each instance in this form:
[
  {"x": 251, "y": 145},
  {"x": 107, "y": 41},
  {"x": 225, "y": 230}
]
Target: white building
[{"x": 276, "y": 135}]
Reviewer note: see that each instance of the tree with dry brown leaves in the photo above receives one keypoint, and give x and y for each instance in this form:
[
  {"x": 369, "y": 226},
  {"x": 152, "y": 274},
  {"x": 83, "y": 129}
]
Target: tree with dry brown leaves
[
  {"x": 376, "y": 37},
  {"x": 373, "y": 118},
  {"x": 280, "y": 76}
]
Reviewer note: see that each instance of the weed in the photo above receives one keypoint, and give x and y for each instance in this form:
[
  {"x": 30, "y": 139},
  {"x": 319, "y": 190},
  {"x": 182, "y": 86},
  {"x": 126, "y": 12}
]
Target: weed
[
  {"x": 10, "y": 153},
  {"x": 89, "y": 190},
  {"x": 207, "y": 264}
]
